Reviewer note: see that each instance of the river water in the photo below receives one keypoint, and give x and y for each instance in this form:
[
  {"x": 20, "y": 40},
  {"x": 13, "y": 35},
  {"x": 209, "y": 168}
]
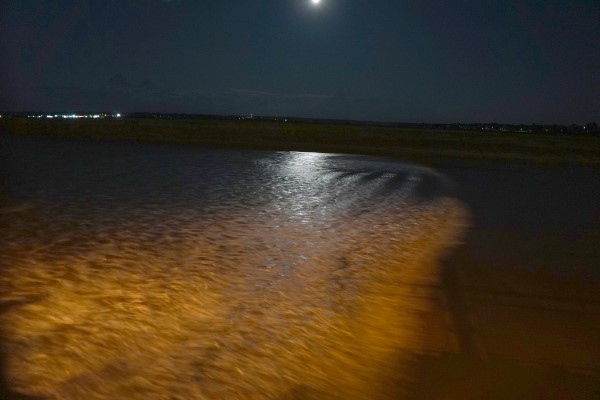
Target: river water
[{"x": 172, "y": 272}]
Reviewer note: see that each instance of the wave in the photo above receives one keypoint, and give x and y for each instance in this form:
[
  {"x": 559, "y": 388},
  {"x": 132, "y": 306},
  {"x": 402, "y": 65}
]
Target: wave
[{"x": 294, "y": 280}]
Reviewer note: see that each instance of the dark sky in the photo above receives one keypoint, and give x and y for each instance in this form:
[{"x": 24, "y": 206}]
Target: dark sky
[{"x": 503, "y": 61}]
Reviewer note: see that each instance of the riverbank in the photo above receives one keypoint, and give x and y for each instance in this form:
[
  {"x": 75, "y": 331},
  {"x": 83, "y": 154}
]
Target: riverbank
[{"x": 419, "y": 145}]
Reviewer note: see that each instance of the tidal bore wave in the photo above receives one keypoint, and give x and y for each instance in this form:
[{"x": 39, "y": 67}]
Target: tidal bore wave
[{"x": 288, "y": 276}]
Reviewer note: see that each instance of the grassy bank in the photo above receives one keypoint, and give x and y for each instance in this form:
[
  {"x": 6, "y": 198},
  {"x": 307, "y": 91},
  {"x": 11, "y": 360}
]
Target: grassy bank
[{"x": 421, "y": 145}]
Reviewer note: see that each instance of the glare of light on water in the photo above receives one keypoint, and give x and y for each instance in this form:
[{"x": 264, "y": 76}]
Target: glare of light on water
[{"x": 302, "y": 297}]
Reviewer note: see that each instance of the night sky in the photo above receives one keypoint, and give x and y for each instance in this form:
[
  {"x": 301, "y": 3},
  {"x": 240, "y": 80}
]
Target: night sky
[{"x": 390, "y": 60}]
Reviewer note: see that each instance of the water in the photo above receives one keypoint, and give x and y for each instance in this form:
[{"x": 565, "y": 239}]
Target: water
[{"x": 158, "y": 271}]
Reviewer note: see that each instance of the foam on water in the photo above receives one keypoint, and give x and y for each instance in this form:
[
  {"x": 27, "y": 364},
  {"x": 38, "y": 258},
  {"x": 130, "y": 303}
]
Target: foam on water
[{"x": 287, "y": 277}]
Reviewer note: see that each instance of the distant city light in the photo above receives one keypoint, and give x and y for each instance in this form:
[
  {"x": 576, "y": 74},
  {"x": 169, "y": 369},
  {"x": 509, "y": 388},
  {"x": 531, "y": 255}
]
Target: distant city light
[{"x": 75, "y": 116}]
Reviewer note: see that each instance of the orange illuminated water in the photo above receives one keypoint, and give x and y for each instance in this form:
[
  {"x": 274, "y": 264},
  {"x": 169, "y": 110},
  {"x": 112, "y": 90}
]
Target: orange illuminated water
[{"x": 157, "y": 272}]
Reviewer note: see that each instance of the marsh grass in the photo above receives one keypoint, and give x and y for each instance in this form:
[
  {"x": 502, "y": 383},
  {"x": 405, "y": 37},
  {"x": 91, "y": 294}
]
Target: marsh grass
[{"x": 420, "y": 145}]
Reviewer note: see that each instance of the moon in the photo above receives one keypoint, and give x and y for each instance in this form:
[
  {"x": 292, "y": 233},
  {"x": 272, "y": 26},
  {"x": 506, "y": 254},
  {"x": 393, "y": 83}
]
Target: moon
[{"x": 316, "y": 2}]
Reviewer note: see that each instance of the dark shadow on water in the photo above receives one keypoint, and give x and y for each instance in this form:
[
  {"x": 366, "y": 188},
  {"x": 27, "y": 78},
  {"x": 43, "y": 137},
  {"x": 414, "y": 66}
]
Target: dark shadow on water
[{"x": 433, "y": 186}]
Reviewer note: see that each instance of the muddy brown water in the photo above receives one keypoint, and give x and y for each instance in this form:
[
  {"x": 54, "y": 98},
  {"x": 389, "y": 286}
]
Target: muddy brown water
[{"x": 158, "y": 271}]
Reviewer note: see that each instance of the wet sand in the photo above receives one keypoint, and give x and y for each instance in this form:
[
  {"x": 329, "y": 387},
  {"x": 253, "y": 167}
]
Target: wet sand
[{"x": 519, "y": 303}]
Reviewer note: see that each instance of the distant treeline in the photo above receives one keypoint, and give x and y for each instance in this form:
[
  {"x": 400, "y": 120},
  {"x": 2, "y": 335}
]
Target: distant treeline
[
  {"x": 587, "y": 129},
  {"x": 590, "y": 128}
]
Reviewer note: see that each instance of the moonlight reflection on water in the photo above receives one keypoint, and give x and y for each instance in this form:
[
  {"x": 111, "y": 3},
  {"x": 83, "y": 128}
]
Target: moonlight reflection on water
[{"x": 217, "y": 274}]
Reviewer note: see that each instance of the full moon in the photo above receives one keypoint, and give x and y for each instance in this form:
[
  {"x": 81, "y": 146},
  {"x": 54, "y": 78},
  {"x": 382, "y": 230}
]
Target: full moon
[{"x": 316, "y": 1}]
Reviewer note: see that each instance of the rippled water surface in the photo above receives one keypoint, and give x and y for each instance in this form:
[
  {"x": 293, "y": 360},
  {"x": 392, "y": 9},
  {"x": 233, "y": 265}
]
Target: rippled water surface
[{"x": 158, "y": 271}]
